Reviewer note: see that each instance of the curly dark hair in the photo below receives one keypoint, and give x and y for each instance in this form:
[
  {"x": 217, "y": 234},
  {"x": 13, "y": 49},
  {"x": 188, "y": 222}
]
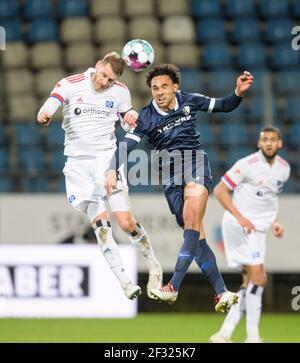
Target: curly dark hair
[{"x": 164, "y": 70}]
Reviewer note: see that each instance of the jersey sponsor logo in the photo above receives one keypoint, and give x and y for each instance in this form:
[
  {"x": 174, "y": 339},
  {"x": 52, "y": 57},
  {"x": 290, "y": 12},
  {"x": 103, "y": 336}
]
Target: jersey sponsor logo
[
  {"x": 109, "y": 104},
  {"x": 72, "y": 198},
  {"x": 77, "y": 111},
  {"x": 92, "y": 111},
  {"x": 173, "y": 123},
  {"x": 259, "y": 193}
]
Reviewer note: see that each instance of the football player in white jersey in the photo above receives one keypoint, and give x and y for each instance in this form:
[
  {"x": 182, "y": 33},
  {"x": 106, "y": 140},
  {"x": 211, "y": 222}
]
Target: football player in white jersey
[
  {"x": 256, "y": 181},
  {"x": 92, "y": 102}
]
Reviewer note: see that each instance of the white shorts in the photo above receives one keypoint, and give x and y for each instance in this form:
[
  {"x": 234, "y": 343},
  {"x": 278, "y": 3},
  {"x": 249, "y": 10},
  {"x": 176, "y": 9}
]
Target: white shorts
[
  {"x": 241, "y": 248},
  {"x": 85, "y": 184}
]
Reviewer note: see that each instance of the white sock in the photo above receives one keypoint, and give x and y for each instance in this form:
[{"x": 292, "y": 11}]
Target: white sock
[
  {"x": 142, "y": 242},
  {"x": 234, "y": 315},
  {"x": 110, "y": 251},
  {"x": 253, "y": 307}
]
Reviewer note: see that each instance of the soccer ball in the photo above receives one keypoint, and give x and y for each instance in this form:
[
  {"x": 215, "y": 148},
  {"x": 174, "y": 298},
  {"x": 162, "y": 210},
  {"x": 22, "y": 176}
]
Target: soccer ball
[{"x": 138, "y": 54}]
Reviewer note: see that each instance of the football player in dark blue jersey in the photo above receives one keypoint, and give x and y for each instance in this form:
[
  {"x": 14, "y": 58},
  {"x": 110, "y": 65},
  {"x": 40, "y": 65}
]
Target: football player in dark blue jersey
[{"x": 169, "y": 121}]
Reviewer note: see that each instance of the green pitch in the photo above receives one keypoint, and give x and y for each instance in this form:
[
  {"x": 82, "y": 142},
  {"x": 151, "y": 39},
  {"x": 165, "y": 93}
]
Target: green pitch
[{"x": 155, "y": 328}]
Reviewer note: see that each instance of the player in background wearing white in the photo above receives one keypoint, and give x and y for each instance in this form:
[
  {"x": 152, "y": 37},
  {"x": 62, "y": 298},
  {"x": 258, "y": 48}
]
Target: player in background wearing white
[
  {"x": 92, "y": 103},
  {"x": 256, "y": 180}
]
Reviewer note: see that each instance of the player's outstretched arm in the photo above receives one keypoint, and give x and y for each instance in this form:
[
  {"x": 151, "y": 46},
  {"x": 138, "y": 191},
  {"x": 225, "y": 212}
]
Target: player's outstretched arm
[
  {"x": 47, "y": 111},
  {"x": 223, "y": 194}
]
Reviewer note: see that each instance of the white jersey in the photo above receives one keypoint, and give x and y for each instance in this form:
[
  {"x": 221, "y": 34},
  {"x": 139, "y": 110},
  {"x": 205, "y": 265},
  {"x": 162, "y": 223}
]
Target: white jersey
[
  {"x": 256, "y": 185},
  {"x": 90, "y": 115}
]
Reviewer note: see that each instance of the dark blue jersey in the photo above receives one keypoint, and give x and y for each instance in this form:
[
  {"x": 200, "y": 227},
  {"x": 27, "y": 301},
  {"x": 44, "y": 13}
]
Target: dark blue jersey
[{"x": 176, "y": 129}]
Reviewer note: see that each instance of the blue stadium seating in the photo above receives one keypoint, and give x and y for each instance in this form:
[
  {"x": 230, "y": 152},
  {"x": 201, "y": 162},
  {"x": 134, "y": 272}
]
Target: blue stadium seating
[
  {"x": 251, "y": 55},
  {"x": 221, "y": 82},
  {"x": 213, "y": 156},
  {"x": 205, "y": 8},
  {"x": 241, "y": 30},
  {"x": 38, "y": 8},
  {"x": 31, "y": 159},
  {"x": 290, "y": 186},
  {"x": 278, "y": 30},
  {"x": 27, "y": 133},
  {"x": 284, "y": 57},
  {"x": 292, "y": 110},
  {"x": 34, "y": 184},
  {"x": 13, "y": 29},
  {"x": 4, "y": 162},
  {"x": 42, "y": 30},
  {"x": 72, "y": 8},
  {"x": 57, "y": 159},
  {"x": 216, "y": 55},
  {"x": 191, "y": 80},
  {"x": 55, "y": 135},
  {"x": 2, "y": 135},
  {"x": 295, "y": 11},
  {"x": 6, "y": 184},
  {"x": 233, "y": 133},
  {"x": 8, "y": 8},
  {"x": 206, "y": 133},
  {"x": 273, "y": 8},
  {"x": 256, "y": 109},
  {"x": 61, "y": 185},
  {"x": 234, "y": 154},
  {"x": 209, "y": 30},
  {"x": 238, "y": 8},
  {"x": 288, "y": 82}
]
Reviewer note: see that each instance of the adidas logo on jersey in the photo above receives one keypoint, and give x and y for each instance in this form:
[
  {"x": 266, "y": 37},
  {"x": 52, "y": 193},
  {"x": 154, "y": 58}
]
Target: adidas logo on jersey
[{"x": 79, "y": 100}]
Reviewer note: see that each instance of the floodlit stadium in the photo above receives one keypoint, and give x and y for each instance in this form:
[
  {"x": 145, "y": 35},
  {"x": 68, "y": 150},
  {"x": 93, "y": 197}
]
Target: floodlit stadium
[{"x": 59, "y": 279}]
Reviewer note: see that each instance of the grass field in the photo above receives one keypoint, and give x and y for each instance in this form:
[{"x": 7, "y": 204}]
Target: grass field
[{"x": 155, "y": 328}]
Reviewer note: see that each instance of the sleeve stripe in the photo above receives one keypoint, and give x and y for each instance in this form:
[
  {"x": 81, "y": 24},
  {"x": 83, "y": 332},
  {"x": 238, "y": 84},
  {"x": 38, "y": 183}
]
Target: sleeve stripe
[
  {"x": 228, "y": 181},
  {"x": 133, "y": 137},
  {"x": 211, "y": 105},
  {"x": 59, "y": 97}
]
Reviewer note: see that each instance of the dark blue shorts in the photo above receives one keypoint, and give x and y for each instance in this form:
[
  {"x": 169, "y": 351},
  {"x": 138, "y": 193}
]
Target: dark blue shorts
[{"x": 200, "y": 173}]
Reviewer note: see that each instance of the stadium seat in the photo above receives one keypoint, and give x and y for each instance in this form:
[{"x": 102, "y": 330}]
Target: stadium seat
[
  {"x": 34, "y": 184},
  {"x": 288, "y": 82},
  {"x": 177, "y": 29},
  {"x": 292, "y": 110},
  {"x": 205, "y": 8},
  {"x": 3, "y": 138},
  {"x": 105, "y": 48},
  {"x": 54, "y": 136},
  {"x": 210, "y": 30},
  {"x": 22, "y": 107},
  {"x": 234, "y": 154},
  {"x": 39, "y": 55},
  {"x": 278, "y": 30},
  {"x": 183, "y": 55},
  {"x": 295, "y": 9},
  {"x": 137, "y": 8},
  {"x": 19, "y": 80},
  {"x": 144, "y": 27},
  {"x": 13, "y": 29},
  {"x": 6, "y": 183},
  {"x": 178, "y": 7},
  {"x": 4, "y": 160},
  {"x": 256, "y": 109},
  {"x": 38, "y": 8},
  {"x": 207, "y": 136},
  {"x": 141, "y": 86},
  {"x": 273, "y": 8},
  {"x": 42, "y": 30},
  {"x": 103, "y": 29},
  {"x": 216, "y": 55},
  {"x": 46, "y": 78},
  {"x": 105, "y": 7},
  {"x": 61, "y": 185},
  {"x": 8, "y": 9},
  {"x": 251, "y": 55},
  {"x": 221, "y": 82},
  {"x": 130, "y": 79},
  {"x": 241, "y": 30},
  {"x": 68, "y": 8},
  {"x": 31, "y": 159},
  {"x": 57, "y": 160},
  {"x": 233, "y": 134},
  {"x": 80, "y": 55},
  {"x": 258, "y": 84},
  {"x": 238, "y": 8},
  {"x": 27, "y": 134},
  {"x": 284, "y": 57},
  {"x": 191, "y": 80},
  {"x": 75, "y": 29},
  {"x": 212, "y": 154},
  {"x": 290, "y": 186},
  {"x": 16, "y": 55}
]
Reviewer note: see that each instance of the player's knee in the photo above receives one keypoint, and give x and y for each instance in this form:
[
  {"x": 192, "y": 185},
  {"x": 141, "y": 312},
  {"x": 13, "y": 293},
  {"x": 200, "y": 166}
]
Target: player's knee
[
  {"x": 259, "y": 279},
  {"x": 127, "y": 224}
]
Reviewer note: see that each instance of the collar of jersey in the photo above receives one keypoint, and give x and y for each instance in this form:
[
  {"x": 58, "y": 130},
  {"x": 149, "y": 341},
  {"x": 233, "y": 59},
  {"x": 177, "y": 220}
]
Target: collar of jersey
[{"x": 161, "y": 112}]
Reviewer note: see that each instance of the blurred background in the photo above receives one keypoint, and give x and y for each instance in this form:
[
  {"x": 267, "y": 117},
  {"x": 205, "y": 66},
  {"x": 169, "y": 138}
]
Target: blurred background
[{"x": 212, "y": 41}]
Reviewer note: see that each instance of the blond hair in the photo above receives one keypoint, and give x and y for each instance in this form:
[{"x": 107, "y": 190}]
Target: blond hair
[{"x": 116, "y": 61}]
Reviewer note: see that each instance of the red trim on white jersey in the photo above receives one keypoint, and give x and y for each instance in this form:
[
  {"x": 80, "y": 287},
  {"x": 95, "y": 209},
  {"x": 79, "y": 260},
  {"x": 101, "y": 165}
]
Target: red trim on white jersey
[
  {"x": 229, "y": 181},
  {"x": 59, "y": 97},
  {"x": 77, "y": 78},
  {"x": 120, "y": 84}
]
